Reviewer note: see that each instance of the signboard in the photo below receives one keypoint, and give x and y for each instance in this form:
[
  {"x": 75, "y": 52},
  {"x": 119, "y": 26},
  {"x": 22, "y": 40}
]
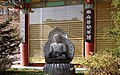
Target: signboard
[
  {"x": 89, "y": 6},
  {"x": 89, "y": 24},
  {"x": 53, "y": 3},
  {"x": 57, "y": 3}
]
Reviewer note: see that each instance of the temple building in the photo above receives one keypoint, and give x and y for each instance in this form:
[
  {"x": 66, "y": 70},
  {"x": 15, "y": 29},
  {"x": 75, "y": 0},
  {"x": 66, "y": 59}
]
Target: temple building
[{"x": 85, "y": 23}]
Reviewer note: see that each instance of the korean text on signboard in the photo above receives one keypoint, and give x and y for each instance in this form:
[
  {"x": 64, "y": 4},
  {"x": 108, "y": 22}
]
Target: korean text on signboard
[{"x": 89, "y": 25}]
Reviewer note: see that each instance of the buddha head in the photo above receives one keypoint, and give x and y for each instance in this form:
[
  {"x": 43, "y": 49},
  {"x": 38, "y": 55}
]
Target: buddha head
[{"x": 57, "y": 38}]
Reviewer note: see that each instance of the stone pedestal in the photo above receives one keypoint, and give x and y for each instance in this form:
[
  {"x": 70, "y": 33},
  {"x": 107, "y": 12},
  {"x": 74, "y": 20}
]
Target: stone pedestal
[{"x": 59, "y": 69}]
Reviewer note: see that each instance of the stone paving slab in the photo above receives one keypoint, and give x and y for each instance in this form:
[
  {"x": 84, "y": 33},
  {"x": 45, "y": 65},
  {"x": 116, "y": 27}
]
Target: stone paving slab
[{"x": 41, "y": 68}]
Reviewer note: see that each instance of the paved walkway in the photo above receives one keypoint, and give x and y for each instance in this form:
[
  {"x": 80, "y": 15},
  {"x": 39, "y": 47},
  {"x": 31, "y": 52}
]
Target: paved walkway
[
  {"x": 41, "y": 68},
  {"x": 27, "y": 67},
  {"x": 77, "y": 70}
]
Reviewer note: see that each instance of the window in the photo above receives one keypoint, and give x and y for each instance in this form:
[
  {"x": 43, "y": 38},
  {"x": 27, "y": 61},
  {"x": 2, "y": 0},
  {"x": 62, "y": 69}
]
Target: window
[{"x": 43, "y": 20}]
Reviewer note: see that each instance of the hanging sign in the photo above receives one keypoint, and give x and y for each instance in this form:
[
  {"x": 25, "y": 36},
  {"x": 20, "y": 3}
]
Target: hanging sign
[
  {"x": 56, "y": 3},
  {"x": 89, "y": 23},
  {"x": 88, "y": 6}
]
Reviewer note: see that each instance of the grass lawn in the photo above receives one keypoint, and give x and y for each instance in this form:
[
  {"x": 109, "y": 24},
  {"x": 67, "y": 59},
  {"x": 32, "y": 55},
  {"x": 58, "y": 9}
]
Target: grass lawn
[{"x": 25, "y": 72}]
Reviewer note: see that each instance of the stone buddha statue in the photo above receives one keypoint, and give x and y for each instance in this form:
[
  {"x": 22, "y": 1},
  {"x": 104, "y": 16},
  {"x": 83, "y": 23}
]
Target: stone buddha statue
[
  {"x": 58, "y": 53},
  {"x": 58, "y": 48}
]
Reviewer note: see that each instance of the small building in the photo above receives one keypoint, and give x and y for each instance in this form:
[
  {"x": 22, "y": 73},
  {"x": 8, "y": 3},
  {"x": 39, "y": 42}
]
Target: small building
[{"x": 70, "y": 16}]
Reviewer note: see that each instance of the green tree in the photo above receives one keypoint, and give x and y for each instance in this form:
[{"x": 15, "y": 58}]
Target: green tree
[
  {"x": 9, "y": 42},
  {"x": 115, "y": 32}
]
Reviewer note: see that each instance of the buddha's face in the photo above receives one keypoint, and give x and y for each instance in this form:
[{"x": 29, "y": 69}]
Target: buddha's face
[{"x": 57, "y": 38}]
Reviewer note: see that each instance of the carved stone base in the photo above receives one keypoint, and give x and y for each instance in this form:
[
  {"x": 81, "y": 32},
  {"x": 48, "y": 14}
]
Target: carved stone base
[{"x": 59, "y": 69}]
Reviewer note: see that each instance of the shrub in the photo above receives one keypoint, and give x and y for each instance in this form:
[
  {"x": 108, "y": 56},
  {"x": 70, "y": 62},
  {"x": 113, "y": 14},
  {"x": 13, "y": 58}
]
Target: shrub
[
  {"x": 101, "y": 64},
  {"x": 115, "y": 52},
  {"x": 5, "y": 63}
]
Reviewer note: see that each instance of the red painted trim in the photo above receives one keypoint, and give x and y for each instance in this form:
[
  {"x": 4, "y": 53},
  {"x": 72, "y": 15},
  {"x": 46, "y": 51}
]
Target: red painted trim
[
  {"x": 24, "y": 58},
  {"x": 26, "y": 39},
  {"x": 37, "y": 64},
  {"x": 26, "y": 27},
  {"x": 88, "y": 1},
  {"x": 24, "y": 46},
  {"x": 88, "y": 46},
  {"x": 27, "y": 5}
]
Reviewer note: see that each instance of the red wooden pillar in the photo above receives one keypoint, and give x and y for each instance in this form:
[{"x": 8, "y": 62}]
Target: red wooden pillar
[
  {"x": 24, "y": 54},
  {"x": 88, "y": 26},
  {"x": 24, "y": 46}
]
